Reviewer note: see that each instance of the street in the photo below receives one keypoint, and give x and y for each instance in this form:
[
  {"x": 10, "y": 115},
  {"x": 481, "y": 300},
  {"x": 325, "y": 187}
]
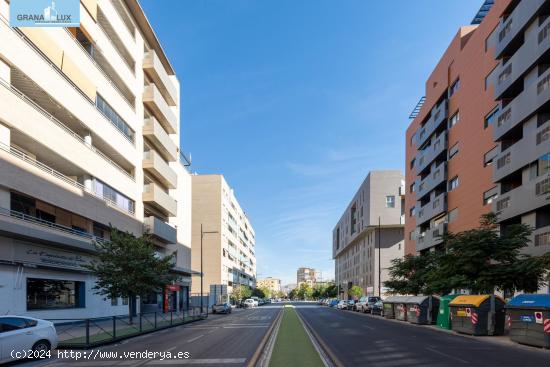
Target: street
[
  {"x": 364, "y": 340},
  {"x": 217, "y": 341}
]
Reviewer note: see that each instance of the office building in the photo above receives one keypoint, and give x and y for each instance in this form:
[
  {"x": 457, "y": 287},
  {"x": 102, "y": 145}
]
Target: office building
[
  {"x": 228, "y": 251},
  {"x": 450, "y": 153},
  {"x": 369, "y": 234},
  {"x": 307, "y": 275},
  {"x": 89, "y": 137},
  {"x": 273, "y": 284}
]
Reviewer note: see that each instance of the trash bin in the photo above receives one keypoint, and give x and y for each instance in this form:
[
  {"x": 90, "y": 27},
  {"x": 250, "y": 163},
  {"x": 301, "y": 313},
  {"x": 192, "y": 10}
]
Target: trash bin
[
  {"x": 528, "y": 318},
  {"x": 475, "y": 314},
  {"x": 422, "y": 309},
  {"x": 444, "y": 316},
  {"x": 393, "y": 306}
]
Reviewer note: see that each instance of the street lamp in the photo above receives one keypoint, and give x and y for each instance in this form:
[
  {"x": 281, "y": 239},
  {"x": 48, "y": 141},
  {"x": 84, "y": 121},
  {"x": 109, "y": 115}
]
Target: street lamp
[
  {"x": 202, "y": 272},
  {"x": 379, "y": 260}
]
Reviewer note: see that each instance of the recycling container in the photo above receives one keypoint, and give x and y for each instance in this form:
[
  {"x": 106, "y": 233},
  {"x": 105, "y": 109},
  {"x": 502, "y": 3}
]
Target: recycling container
[
  {"x": 443, "y": 315},
  {"x": 528, "y": 317},
  {"x": 474, "y": 314},
  {"x": 422, "y": 309},
  {"x": 394, "y": 308}
]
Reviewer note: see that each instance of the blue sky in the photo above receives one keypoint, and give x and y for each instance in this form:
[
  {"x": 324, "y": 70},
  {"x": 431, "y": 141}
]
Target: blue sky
[{"x": 295, "y": 101}]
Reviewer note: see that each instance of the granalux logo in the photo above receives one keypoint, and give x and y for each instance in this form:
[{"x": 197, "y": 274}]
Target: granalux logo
[{"x": 45, "y": 13}]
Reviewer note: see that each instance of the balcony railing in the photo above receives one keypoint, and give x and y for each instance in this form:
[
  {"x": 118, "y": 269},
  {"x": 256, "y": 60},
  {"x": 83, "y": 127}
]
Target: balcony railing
[
  {"x": 24, "y": 157},
  {"x": 46, "y": 114},
  {"x": 50, "y": 225}
]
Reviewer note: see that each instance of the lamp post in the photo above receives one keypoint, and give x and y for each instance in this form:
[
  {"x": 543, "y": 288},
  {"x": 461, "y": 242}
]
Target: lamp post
[
  {"x": 202, "y": 272},
  {"x": 379, "y": 260}
]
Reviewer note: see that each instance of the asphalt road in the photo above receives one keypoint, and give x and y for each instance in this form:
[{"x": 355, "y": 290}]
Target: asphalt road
[
  {"x": 364, "y": 340},
  {"x": 221, "y": 340}
]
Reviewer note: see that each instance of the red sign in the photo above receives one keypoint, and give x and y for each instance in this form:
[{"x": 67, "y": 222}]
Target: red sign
[
  {"x": 547, "y": 326},
  {"x": 474, "y": 318},
  {"x": 173, "y": 287},
  {"x": 538, "y": 317}
]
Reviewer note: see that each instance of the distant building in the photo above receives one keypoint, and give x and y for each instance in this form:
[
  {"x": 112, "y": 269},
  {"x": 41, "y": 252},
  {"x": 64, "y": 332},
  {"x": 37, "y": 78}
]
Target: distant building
[
  {"x": 273, "y": 284},
  {"x": 307, "y": 275},
  {"x": 286, "y": 289},
  {"x": 372, "y": 222}
]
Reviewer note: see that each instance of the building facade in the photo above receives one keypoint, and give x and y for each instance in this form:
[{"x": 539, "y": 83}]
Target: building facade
[
  {"x": 522, "y": 129},
  {"x": 450, "y": 152},
  {"x": 89, "y": 138},
  {"x": 307, "y": 275},
  {"x": 370, "y": 233},
  {"x": 273, "y": 284},
  {"x": 228, "y": 252}
]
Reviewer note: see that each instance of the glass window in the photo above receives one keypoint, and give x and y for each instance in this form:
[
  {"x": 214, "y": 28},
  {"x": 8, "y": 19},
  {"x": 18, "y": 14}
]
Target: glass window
[
  {"x": 454, "y": 87},
  {"x": 453, "y": 214},
  {"x": 453, "y": 151},
  {"x": 390, "y": 201},
  {"x": 45, "y": 294},
  {"x": 113, "y": 196},
  {"x": 453, "y": 183},
  {"x": 12, "y": 323},
  {"x": 489, "y": 196},
  {"x": 413, "y": 211},
  {"x": 114, "y": 301},
  {"x": 114, "y": 118},
  {"x": 454, "y": 119},
  {"x": 490, "y": 118},
  {"x": 490, "y": 155},
  {"x": 544, "y": 164}
]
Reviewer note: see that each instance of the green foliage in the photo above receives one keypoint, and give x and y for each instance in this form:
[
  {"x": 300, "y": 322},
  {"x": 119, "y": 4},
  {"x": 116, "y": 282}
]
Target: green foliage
[
  {"x": 480, "y": 260},
  {"x": 241, "y": 292},
  {"x": 355, "y": 291},
  {"x": 331, "y": 291},
  {"x": 258, "y": 292},
  {"x": 127, "y": 266},
  {"x": 266, "y": 292},
  {"x": 305, "y": 291},
  {"x": 293, "y": 294}
]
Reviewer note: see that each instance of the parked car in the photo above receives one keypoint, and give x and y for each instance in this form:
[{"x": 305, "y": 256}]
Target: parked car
[
  {"x": 361, "y": 304},
  {"x": 377, "y": 308},
  {"x": 333, "y": 303},
  {"x": 23, "y": 334},
  {"x": 370, "y": 303},
  {"x": 342, "y": 305},
  {"x": 351, "y": 305},
  {"x": 221, "y": 308},
  {"x": 250, "y": 303}
]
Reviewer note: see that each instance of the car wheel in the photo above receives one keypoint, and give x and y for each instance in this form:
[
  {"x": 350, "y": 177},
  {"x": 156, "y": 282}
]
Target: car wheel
[{"x": 41, "y": 346}]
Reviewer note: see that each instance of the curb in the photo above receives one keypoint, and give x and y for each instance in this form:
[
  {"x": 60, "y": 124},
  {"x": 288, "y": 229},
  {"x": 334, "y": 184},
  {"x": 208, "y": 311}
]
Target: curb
[
  {"x": 256, "y": 356},
  {"x": 326, "y": 354}
]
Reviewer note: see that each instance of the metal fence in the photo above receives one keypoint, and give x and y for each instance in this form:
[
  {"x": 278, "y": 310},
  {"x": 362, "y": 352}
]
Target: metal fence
[{"x": 88, "y": 333}]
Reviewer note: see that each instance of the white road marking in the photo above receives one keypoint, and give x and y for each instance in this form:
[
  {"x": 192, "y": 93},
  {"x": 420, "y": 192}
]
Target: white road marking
[
  {"x": 195, "y": 338},
  {"x": 200, "y": 361},
  {"x": 447, "y": 355},
  {"x": 244, "y": 327}
]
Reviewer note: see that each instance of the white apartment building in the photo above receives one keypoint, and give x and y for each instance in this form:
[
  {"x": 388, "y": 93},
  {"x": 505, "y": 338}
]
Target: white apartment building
[
  {"x": 228, "y": 254},
  {"x": 307, "y": 275},
  {"x": 89, "y": 137},
  {"x": 370, "y": 233}
]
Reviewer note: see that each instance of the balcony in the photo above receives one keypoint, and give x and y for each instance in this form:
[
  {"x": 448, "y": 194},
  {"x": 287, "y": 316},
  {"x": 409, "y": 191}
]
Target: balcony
[
  {"x": 509, "y": 29},
  {"x": 160, "y": 140},
  {"x": 425, "y": 157},
  {"x": 155, "y": 70},
  {"x": 154, "y": 196},
  {"x": 153, "y": 99},
  {"x": 436, "y": 206},
  {"x": 431, "y": 237},
  {"x": 160, "y": 229},
  {"x": 536, "y": 45},
  {"x": 430, "y": 182},
  {"x": 535, "y": 143},
  {"x": 540, "y": 242},
  {"x": 153, "y": 163},
  {"x": 525, "y": 198},
  {"x": 523, "y": 106},
  {"x": 438, "y": 116}
]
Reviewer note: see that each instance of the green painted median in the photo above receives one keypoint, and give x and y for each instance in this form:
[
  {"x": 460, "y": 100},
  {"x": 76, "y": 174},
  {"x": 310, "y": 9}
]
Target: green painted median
[{"x": 293, "y": 346}]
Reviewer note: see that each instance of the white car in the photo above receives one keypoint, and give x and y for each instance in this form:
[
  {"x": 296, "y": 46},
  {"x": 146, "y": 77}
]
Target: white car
[
  {"x": 342, "y": 305},
  {"x": 250, "y": 303},
  {"x": 22, "y": 337}
]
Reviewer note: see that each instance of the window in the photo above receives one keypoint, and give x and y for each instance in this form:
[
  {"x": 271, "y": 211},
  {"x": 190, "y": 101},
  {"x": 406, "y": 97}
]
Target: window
[
  {"x": 114, "y": 196},
  {"x": 125, "y": 301},
  {"x": 453, "y": 214},
  {"x": 544, "y": 164},
  {"x": 453, "y": 151},
  {"x": 412, "y": 188},
  {"x": 114, "y": 301},
  {"x": 454, "y": 119},
  {"x": 453, "y": 183},
  {"x": 114, "y": 118},
  {"x": 454, "y": 87},
  {"x": 412, "y": 211},
  {"x": 490, "y": 118},
  {"x": 390, "y": 201},
  {"x": 533, "y": 171},
  {"x": 490, "y": 195},
  {"x": 14, "y": 323},
  {"x": 412, "y": 163},
  {"x": 44, "y": 294},
  {"x": 489, "y": 156}
]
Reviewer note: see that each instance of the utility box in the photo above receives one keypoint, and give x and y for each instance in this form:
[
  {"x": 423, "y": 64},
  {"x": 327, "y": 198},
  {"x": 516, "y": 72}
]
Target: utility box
[
  {"x": 394, "y": 307},
  {"x": 477, "y": 314},
  {"x": 528, "y": 318},
  {"x": 422, "y": 309},
  {"x": 444, "y": 315}
]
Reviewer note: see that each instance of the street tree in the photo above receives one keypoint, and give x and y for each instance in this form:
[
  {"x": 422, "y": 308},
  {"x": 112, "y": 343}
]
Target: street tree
[
  {"x": 331, "y": 291},
  {"x": 267, "y": 292},
  {"x": 355, "y": 292},
  {"x": 305, "y": 291},
  {"x": 128, "y": 266},
  {"x": 410, "y": 274},
  {"x": 258, "y": 292},
  {"x": 318, "y": 291},
  {"x": 240, "y": 292}
]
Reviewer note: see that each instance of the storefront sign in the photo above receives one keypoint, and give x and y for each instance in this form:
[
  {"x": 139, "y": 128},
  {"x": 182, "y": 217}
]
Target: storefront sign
[
  {"x": 45, "y": 256},
  {"x": 45, "y": 13}
]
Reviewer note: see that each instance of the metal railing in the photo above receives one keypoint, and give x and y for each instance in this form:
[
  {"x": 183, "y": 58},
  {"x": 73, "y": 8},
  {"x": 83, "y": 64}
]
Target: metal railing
[
  {"x": 49, "y": 116},
  {"x": 91, "y": 332},
  {"x": 25, "y": 157},
  {"x": 44, "y": 223}
]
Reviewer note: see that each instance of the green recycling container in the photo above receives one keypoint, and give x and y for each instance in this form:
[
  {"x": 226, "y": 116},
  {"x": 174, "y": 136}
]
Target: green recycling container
[{"x": 444, "y": 316}]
